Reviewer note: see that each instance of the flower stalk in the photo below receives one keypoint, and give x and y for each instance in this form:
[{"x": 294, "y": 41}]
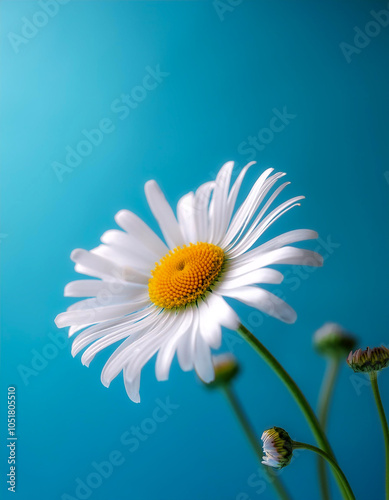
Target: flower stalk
[
  {"x": 385, "y": 428},
  {"x": 372, "y": 361},
  {"x": 252, "y": 438},
  {"x": 295, "y": 391},
  {"x": 326, "y": 392},
  {"x": 338, "y": 471}
]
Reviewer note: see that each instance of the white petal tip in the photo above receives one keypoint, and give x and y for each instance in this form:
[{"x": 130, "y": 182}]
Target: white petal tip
[
  {"x": 207, "y": 378},
  {"x": 232, "y": 326},
  {"x": 150, "y": 185},
  {"x": 87, "y": 362},
  {"x": 104, "y": 238},
  {"x": 105, "y": 382},
  {"x": 290, "y": 318},
  {"x": 122, "y": 214},
  {"x": 67, "y": 292},
  {"x": 76, "y": 254},
  {"x": 59, "y": 321}
]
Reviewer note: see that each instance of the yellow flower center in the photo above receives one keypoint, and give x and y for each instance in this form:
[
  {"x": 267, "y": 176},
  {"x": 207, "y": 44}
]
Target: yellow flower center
[{"x": 185, "y": 275}]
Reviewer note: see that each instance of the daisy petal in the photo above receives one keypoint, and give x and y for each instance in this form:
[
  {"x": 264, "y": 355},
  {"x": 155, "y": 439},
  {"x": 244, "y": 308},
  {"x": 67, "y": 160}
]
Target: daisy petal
[
  {"x": 264, "y": 275},
  {"x": 101, "y": 266},
  {"x": 223, "y": 312},
  {"x": 248, "y": 207},
  {"x": 90, "y": 288},
  {"x": 105, "y": 336},
  {"x": 286, "y": 239},
  {"x": 186, "y": 218},
  {"x": 135, "y": 227},
  {"x": 97, "y": 314},
  {"x": 132, "y": 387},
  {"x": 167, "y": 350},
  {"x": 164, "y": 215},
  {"x": 203, "y": 360},
  {"x": 210, "y": 328},
  {"x": 132, "y": 252},
  {"x": 150, "y": 346},
  {"x": 264, "y": 301},
  {"x": 253, "y": 234},
  {"x": 284, "y": 255},
  {"x": 235, "y": 189},
  {"x": 219, "y": 222},
  {"x": 128, "y": 271},
  {"x": 136, "y": 352},
  {"x": 201, "y": 203},
  {"x": 185, "y": 350}
]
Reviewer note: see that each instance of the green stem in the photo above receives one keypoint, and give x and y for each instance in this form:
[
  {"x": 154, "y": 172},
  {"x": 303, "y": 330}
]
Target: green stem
[
  {"x": 294, "y": 390},
  {"x": 332, "y": 462},
  {"x": 385, "y": 428},
  {"x": 251, "y": 436},
  {"x": 326, "y": 392}
]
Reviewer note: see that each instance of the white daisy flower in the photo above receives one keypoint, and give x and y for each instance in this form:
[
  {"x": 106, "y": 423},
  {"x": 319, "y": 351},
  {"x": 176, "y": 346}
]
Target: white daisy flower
[{"x": 167, "y": 297}]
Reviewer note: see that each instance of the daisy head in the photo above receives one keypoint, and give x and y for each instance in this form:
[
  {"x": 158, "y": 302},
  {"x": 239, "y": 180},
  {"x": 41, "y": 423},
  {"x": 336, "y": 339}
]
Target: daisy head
[
  {"x": 333, "y": 341},
  {"x": 277, "y": 448},
  {"x": 166, "y": 296},
  {"x": 369, "y": 360}
]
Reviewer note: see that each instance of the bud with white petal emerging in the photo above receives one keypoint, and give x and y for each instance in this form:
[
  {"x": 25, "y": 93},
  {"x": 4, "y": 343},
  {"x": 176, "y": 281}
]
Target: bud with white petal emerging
[{"x": 278, "y": 448}]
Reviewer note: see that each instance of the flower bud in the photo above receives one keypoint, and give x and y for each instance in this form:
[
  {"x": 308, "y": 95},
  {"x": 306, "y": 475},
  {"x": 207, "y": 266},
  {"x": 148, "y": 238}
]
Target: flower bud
[
  {"x": 333, "y": 341},
  {"x": 278, "y": 448},
  {"x": 226, "y": 368},
  {"x": 369, "y": 360}
]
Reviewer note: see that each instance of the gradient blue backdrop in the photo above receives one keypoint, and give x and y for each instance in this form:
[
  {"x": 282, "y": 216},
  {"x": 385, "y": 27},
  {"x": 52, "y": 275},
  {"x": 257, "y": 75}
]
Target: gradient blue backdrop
[{"x": 227, "y": 72}]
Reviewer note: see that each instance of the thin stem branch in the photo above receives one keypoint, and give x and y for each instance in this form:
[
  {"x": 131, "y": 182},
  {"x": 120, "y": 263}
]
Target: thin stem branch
[
  {"x": 385, "y": 428},
  {"x": 326, "y": 391},
  {"x": 294, "y": 390},
  {"x": 333, "y": 464},
  {"x": 251, "y": 436}
]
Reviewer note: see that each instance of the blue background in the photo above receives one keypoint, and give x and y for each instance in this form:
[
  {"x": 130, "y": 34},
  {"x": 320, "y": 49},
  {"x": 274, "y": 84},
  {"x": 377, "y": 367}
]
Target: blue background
[{"x": 227, "y": 72}]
